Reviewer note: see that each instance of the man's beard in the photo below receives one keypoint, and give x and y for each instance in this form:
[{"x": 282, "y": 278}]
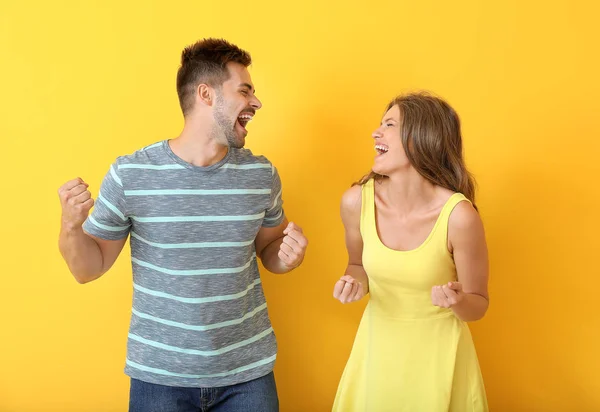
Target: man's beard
[{"x": 225, "y": 128}]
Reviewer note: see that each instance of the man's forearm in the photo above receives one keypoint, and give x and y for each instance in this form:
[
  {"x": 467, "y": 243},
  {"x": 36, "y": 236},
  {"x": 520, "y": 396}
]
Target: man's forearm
[
  {"x": 270, "y": 258},
  {"x": 82, "y": 254}
]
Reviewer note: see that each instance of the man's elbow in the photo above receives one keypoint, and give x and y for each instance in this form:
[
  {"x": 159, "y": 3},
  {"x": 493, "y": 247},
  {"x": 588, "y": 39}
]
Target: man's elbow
[{"x": 83, "y": 278}]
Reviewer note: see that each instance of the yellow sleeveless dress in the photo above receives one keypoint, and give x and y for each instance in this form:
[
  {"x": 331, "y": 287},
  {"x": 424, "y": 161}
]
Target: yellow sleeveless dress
[{"x": 408, "y": 354}]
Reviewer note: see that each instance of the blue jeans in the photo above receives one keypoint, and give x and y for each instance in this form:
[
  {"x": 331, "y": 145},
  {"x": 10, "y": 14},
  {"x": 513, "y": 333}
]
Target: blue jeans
[{"x": 258, "y": 395}]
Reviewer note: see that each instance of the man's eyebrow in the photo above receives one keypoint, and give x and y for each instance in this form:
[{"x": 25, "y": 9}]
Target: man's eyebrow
[{"x": 248, "y": 85}]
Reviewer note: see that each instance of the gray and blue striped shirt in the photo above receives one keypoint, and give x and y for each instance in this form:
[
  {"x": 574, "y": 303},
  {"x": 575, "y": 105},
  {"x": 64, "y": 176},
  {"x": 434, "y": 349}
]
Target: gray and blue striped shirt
[{"x": 199, "y": 316}]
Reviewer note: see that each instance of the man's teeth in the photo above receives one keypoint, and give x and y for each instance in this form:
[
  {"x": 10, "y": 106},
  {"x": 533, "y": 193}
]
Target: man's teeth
[{"x": 244, "y": 119}]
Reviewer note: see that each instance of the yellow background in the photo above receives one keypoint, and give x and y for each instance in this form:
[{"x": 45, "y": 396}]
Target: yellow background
[{"x": 83, "y": 82}]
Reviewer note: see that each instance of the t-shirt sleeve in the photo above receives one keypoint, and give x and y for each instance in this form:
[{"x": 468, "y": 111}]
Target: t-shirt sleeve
[
  {"x": 109, "y": 219},
  {"x": 274, "y": 214}
]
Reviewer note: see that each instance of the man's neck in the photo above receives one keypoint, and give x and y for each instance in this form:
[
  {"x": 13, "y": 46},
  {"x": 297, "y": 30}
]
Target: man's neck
[{"x": 196, "y": 144}]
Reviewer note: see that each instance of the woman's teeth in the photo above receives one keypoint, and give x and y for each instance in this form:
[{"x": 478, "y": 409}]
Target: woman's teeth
[{"x": 381, "y": 149}]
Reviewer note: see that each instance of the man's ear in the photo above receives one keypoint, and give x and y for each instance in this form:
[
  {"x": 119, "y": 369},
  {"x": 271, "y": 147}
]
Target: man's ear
[{"x": 205, "y": 94}]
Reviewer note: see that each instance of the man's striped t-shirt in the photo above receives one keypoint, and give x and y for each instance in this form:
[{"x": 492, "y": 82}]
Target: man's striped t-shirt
[{"x": 199, "y": 316}]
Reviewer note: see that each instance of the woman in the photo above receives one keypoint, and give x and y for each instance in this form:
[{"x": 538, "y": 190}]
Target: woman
[{"x": 416, "y": 244}]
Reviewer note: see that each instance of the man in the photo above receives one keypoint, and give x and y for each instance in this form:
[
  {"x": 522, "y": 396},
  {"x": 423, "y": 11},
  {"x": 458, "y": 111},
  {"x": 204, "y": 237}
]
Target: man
[{"x": 200, "y": 209}]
